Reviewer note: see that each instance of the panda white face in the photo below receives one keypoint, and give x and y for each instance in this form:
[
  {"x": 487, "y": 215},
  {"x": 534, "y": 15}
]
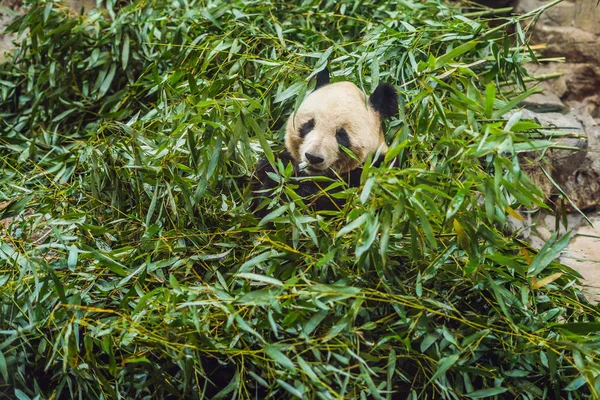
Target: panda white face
[{"x": 337, "y": 115}]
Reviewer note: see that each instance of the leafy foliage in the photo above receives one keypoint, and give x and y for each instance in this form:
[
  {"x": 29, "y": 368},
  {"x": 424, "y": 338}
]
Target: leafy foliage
[{"x": 131, "y": 267}]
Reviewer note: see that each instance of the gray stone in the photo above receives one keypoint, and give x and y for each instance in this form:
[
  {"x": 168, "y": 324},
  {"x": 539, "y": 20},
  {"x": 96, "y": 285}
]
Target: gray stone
[
  {"x": 575, "y": 44},
  {"x": 592, "y": 131},
  {"x": 583, "y": 254},
  {"x": 82, "y": 5},
  {"x": 577, "y": 82},
  {"x": 587, "y": 15},
  {"x": 582, "y": 14},
  {"x": 573, "y": 170},
  {"x": 558, "y": 83},
  {"x": 12, "y": 4},
  {"x": 525, "y": 6},
  {"x": 582, "y": 186},
  {"x": 543, "y": 233},
  {"x": 562, "y": 14},
  {"x": 544, "y": 102},
  {"x": 549, "y": 222}
]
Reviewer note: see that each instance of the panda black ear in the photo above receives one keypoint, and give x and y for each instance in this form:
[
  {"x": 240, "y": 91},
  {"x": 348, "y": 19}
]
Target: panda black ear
[
  {"x": 384, "y": 100},
  {"x": 322, "y": 78}
]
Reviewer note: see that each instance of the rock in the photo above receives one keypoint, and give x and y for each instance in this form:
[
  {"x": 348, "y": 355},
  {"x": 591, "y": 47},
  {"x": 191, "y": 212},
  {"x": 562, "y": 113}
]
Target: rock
[
  {"x": 525, "y": 6},
  {"x": 82, "y": 6},
  {"x": 583, "y": 80},
  {"x": 574, "y": 171},
  {"x": 548, "y": 221},
  {"x": 582, "y": 14},
  {"x": 592, "y": 131},
  {"x": 575, "y": 44},
  {"x": 581, "y": 181},
  {"x": 562, "y": 14},
  {"x": 564, "y": 159},
  {"x": 583, "y": 255},
  {"x": 587, "y": 15},
  {"x": 582, "y": 187},
  {"x": 543, "y": 233},
  {"x": 536, "y": 242},
  {"x": 544, "y": 102},
  {"x": 578, "y": 81},
  {"x": 571, "y": 29},
  {"x": 12, "y": 4},
  {"x": 591, "y": 105},
  {"x": 558, "y": 84}
]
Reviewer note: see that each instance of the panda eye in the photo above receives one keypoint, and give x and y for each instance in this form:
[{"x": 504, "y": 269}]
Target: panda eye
[
  {"x": 307, "y": 127},
  {"x": 342, "y": 138}
]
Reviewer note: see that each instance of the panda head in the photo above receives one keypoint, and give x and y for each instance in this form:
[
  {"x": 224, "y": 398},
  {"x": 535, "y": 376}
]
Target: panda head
[{"x": 335, "y": 115}]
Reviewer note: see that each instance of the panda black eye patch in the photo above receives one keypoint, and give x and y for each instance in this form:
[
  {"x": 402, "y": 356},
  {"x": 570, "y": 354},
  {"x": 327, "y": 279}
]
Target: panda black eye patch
[
  {"x": 306, "y": 127},
  {"x": 342, "y": 138}
]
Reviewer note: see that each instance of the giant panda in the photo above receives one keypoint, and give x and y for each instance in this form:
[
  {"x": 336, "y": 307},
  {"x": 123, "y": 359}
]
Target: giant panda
[{"x": 333, "y": 116}]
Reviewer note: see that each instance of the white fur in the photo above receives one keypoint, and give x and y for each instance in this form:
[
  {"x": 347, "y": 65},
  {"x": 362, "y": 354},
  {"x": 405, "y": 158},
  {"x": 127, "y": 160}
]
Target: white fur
[{"x": 334, "y": 106}]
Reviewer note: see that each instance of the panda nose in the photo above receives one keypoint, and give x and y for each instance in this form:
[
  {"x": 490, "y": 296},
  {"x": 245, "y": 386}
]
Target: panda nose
[{"x": 313, "y": 159}]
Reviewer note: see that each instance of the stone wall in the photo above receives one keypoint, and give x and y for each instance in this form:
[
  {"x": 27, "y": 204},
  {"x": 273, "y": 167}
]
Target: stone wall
[{"x": 570, "y": 29}]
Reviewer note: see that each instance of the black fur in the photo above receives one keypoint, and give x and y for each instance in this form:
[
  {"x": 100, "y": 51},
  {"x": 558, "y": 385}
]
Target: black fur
[
  {"x": 384, "y": 100},
  {"x": 313, "y": 192},
  {"x": 306, "y": 128},
  {"x": 322, "y": 78},
  {"x": 342, "y": 138}
]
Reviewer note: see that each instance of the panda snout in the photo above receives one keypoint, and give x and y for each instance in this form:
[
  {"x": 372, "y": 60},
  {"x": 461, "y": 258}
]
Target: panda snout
[{"x": 312, "y": 159}]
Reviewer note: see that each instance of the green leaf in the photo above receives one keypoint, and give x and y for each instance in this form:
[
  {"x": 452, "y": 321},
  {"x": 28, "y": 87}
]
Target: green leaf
[
  {"x": 293, "y": 90},
  {"x": 490, "y": 96},
  {"x": 107, "y": 81},
  {"x": 548, "y": 253},
  {"x": 575, "y": 384},
  {"x": 259, "y": 278},
  {"x": 443, "y": 365},
  {"x": 452, "y": 54},
  {"x": 289, "y": 388},
  {"x": 456, "y": 203},
  {"x": 314, "y": 322},
  {"x": 109, "y": 263},
  {"x": 428, "y": 341},
  {"x": 352, "y": 226},
  {"x": 486, "y": 393},
  {"x": 280, "y": 358},
  {"x": 514, "y": 102},
  {"x": 72, "y": 260},
  {"x": 3, "y": 368},
  {"x": 580, "y": 328},
  {"x": 367, "y": 190},
  {"x": 21, "y": 395},
  {"x": 125, "y": 52},
  {"x": 47, "y": 11}
]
